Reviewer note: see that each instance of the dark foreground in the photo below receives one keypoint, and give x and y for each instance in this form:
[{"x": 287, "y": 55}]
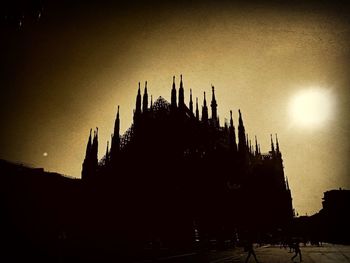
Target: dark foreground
[
  {"x": 45, "y": 217},
  {"x": 327, "y": 253}
]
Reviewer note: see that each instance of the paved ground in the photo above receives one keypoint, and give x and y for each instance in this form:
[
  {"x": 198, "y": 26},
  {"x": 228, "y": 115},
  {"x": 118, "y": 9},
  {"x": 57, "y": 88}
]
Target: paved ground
[{"x": 328, "y": 253}]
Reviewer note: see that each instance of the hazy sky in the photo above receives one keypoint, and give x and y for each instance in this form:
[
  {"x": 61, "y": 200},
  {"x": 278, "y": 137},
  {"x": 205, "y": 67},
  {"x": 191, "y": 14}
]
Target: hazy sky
[{"x": 66, "y": 70}]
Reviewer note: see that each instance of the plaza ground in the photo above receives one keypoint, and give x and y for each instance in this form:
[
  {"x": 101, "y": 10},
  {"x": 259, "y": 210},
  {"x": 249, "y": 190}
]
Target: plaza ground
[{"x": 327, "y": 253}]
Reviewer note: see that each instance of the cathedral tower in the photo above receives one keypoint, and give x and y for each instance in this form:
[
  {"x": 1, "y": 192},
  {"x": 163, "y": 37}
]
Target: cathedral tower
[
  {"x": 272, "y": 147},
  {"x": 204, "y": 110},
  {"x": 137, "y": 112},
  {"x": 87, "y": 161},
  {"x": 241, "y": 136},
  {"x": 173, "y": 95},
  {"x": 197, "y": 110},
  {"x": 145, "y": 100},
  {"x": 181, "y": 95},
  {"x": 232, "y": 135},
  {"x": 191, "y": 102},
  {"x": 115, "y": 147},
  {"x": 214, "y": 106},
  {"x": 91, "y": 159}
]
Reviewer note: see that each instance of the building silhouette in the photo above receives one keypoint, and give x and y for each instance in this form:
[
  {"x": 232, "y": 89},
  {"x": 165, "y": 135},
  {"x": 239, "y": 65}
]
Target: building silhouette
[
  {"x": 330, "y": 224},
  {"x": 334, "y": 216},
  {"x": 177, "y": 177}
]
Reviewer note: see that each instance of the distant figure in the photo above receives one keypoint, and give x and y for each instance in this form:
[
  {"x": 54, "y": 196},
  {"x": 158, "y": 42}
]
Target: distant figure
[
  {"x": 297, "y": 251},
  {"x": 249, "y": 248}
]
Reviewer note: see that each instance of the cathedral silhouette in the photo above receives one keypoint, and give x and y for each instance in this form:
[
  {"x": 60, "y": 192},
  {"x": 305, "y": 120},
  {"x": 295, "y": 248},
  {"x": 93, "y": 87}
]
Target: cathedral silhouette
[{"x": 178, "y": 178}]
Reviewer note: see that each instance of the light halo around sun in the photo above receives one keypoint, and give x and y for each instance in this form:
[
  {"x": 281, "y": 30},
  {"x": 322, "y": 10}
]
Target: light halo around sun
[{"x": 312, "y": 108}]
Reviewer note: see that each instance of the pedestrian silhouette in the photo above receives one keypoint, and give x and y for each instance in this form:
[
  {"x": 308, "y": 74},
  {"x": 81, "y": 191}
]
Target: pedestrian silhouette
[
  {"x": 249, "y": 248},
  {"x": 297, "y": 251}
]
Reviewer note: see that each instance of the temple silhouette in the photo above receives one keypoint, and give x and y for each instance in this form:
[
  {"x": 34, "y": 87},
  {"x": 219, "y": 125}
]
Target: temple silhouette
[{"x": 177, "y": 178}]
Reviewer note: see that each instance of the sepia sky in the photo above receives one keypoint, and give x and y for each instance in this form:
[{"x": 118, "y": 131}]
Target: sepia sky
[{"x": 66, "y": 70}]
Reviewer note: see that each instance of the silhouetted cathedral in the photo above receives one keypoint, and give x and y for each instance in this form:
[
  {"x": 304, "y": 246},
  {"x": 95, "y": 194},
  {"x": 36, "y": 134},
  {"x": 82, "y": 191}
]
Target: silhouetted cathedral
[{"x": 180, "y": 178}]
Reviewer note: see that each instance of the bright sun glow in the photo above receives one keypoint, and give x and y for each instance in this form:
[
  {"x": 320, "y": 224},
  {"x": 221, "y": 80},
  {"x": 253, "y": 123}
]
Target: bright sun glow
[{"x": 312, "y": 107}]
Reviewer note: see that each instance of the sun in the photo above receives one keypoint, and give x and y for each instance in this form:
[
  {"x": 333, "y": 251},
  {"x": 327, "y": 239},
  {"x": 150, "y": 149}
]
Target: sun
[{"x": 312, "y": 108}]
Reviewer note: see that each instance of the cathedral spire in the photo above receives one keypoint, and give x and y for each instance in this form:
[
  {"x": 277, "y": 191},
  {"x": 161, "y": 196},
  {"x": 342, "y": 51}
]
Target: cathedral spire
[
  {"x": 173, "y": 94},
  {"x": 145, "y": 100},
  {"x": 181, "y": 94},
  {"x": 256, "y": 146},
  {"x": 137, "y": 112},
  {"x": 213, "y": 107},
  {"x": 204, "y": 110},
  {"x": 197, "y": 111},
  {"x": 277, "y": 145},
  {"x": 150, "y": 108},
  {"x": 232, "y": 134},
  {"x": 272, "y": 146},
  {"x": 191, "y": 102},
  {"x": 92, "y": 161},
  {"x": 115, "y": 144},
  {"x": 117, "y": 123},
  {"x": 87, "y": 168},
  {"x": 95, "y": 144},
  {"x": 240, "y": 119},
  {"x": 138, "y": 100},
  {"x": 241, "y": 135},
  {"x": 231, "y": 119},
  {"x": 88, "y": 146}
]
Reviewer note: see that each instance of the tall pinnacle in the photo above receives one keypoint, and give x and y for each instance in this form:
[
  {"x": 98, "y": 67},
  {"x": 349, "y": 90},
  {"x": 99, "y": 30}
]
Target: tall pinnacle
[
  {"x": 240, "y": 120},
  {"x": 145, "y": 99},
  {"x": 88, "y": 146},
  {"x": 191, "y": 102},
  {"x": 181, "y": 94},
  {"x": 115, "y": 144},
  {"x": 138, "y": 102},
  {"x": 173, "y": 95},
  {"x": 256, "y": 146},
  {"x": 117, "y": 124},
  {"x": 241, "y": 135},
  {"x": 197, "y": 111},
  {"x": 204, "y": 110},
  {"x": 213, "y": 107},
  {"x": 232, "y": 134},
  {"x": 94, "y": 148},
  {"x": 277, "y": 145}
]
